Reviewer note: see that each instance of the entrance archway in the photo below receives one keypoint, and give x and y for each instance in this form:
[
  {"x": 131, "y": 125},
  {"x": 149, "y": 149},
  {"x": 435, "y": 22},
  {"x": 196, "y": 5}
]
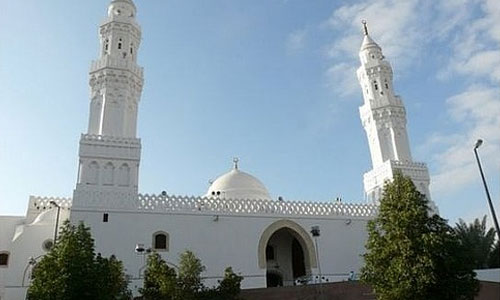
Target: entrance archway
[{"x": 287, "y": 252}]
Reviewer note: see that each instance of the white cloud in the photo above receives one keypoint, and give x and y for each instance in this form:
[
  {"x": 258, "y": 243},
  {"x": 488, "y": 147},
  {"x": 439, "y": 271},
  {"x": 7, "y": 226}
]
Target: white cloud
[
  {"x": 476, "y": 57},
  {"x": 296, "y": 41},
  {"x": 406, "y": 29},
  {"x": 478, "y": 110},
  {"x": 342, "y": 79}
]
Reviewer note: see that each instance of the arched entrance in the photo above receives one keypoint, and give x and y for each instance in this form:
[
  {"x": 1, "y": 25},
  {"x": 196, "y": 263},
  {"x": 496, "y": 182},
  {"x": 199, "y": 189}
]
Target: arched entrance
[{"x": 287, "y": 252}]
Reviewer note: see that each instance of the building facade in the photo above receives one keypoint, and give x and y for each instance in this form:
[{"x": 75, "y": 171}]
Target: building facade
[{"x": 236, "y": 223}]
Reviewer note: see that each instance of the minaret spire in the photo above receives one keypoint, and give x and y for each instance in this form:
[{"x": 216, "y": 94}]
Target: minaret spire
[
  {"x": 383, "y": 116},
  {"x": 365, "y": 27},
  {"x": 110, "y": 150}
]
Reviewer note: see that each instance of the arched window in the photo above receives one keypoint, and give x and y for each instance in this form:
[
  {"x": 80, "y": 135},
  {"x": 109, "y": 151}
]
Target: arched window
[
  {"x": 108, "y": 174},
  {"x": 4, "y": 259},
  {"x": 120, "y": 43},
  {"x": 93, "y": 174},
  {"x": 160, "y": 241},
  {"x": 132, "y": 48},
  {"x": 124, "y": 175}
]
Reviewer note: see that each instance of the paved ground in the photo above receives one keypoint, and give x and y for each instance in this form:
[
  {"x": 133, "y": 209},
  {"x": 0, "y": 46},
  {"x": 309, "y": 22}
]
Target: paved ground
[{"x": 342, "y": 291}]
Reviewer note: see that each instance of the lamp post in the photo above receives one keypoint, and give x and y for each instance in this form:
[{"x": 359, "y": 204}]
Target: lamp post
[
  {"x": 30, "y": 265},
  {"x": 57, "y": 219},
  {"x": 492, "y": 209},
  {"x": 141, "y": 250},
  {"x": 316, "y": 233}
]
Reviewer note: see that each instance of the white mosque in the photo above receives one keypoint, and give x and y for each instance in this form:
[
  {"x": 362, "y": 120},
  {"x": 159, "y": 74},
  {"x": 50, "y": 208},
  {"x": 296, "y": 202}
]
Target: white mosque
[{"x": 270, "y": 242}]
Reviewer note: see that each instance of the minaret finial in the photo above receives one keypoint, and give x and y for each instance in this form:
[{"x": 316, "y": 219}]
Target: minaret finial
[
  {"x": 365, "y": 27},
  {"x": 236, "y": 161}
]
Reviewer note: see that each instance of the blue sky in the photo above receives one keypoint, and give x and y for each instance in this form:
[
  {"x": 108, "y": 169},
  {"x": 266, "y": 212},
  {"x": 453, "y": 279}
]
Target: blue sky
[{"x": 272, "y": 82}]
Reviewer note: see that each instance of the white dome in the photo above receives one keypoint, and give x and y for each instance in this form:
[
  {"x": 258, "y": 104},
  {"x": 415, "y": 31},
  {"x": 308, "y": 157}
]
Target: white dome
[{"x": 236, "y": 184}]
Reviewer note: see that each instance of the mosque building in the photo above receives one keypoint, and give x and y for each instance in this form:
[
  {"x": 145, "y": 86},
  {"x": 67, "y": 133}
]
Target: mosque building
[{"x": 270, "y": 242}]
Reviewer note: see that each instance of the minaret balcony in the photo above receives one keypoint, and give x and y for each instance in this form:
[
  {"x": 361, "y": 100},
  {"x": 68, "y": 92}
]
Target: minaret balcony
[
  {"x": 103, "y": 139},
  {"x": 116, "y": 63}
]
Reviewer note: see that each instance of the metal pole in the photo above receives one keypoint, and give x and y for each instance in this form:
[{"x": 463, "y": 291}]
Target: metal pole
[
  {"x": 319, "y": 269},
  {"x": 492, "y": 209},
  {"x": 57, "y": 223}
]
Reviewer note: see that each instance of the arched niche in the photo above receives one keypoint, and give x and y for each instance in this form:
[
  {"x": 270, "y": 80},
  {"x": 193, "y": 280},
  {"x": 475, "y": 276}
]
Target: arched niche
[{"x": 298, "y": 232}]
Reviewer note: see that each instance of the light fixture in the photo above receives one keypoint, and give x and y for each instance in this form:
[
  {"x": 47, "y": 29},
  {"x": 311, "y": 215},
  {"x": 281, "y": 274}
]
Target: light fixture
[
  {"x": 139, "y": 248},
  {"x": 315, "y": 231},
  {"x": 478, "y": 144}
]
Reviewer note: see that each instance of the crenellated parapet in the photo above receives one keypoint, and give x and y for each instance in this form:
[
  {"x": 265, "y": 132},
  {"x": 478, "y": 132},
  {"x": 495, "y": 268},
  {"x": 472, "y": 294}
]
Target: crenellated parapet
[
  {"x": 205, "y": 205},
  {"x": 43, "y": 203},
  {"x": 107, "y": 140},
  {"x": 38, "y": 205},
  {"x": 170, "y": 203}
]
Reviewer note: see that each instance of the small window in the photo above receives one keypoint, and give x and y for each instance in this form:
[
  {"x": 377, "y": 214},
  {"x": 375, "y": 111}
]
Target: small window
[
  {"x": 160, "y": 241},
  {"x": 270, "y": 253},
  {"x": 120, "y": 44},
  {"x": 376, "y": 87},
  {"x": 105, "y": 217},
  {"x": 4, "y": 259},
  {"x": 386, "y": 86}
]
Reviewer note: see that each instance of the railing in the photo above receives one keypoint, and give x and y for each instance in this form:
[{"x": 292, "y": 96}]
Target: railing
[
  {"x": 119, "y": 63},
  {"x": 408, "y": 164},
  {"x": 113, "y": 139},
  {"x": 262, "y": 207}
]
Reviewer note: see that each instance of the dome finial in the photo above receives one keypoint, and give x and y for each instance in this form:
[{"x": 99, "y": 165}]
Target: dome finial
[
  {"x": 365, "y": 27},
  {"x": 236, "y": 161}
]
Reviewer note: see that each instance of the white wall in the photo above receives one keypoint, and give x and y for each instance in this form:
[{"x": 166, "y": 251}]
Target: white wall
[
  {"x": 231, "y": 241},
  {"x": 26, "y": 240}
]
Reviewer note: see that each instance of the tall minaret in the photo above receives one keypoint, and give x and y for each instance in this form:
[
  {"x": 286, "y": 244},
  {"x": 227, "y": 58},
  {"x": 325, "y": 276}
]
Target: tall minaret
[
  {"x": 384, "y": 119},
  {"x": 110, "y": 151}
]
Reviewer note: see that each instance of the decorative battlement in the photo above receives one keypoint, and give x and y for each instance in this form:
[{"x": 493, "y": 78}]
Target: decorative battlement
[
  {"x": 415, "y": 165},
  {"x": 44, "y": 203},
  {"x": 172, "y": 203},
  {"x": 262, "y": 207},
  {"x": 109, "y": 62},
  {"x": 111, "y": 139}
]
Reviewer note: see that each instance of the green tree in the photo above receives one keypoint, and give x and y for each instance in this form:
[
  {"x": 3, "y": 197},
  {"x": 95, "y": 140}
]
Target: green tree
[
  {"x": 494, "y": 259},
  {"x": 162, "y": 283},
  {"x": 477, "y": 241},
  {"x": 112, "y": 281},
  {"x": 190, "y": 269},
  {"x": 71, "y": 270},
  {"x": 230, "y": 286},
  {"x": 411, "y": 255}
]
